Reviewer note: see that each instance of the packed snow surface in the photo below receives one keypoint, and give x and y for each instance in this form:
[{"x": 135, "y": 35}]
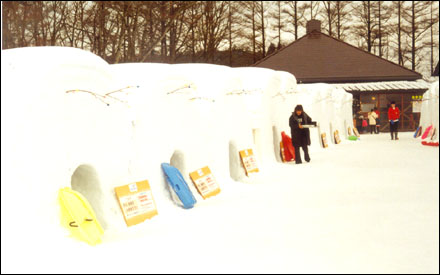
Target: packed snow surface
[
  {"x": 69, "y": 118},
  {"x": 370, "y": 206}
]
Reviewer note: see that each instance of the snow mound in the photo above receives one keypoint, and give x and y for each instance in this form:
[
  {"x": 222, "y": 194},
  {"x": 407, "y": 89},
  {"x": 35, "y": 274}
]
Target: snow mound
[{"x": 69, "y": 118}]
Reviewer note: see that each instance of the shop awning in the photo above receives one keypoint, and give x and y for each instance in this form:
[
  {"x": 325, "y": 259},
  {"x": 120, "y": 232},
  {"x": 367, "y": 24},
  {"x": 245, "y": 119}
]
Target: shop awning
[{"x": 385, "y": 86}]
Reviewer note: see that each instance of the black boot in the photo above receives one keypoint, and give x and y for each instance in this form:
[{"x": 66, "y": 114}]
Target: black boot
[
  {"x": 306, "y": 153},
  {"x": 395, "y": 136},
  {"x": 392, "y": 135},
  {"x": 297, "y": 155}
]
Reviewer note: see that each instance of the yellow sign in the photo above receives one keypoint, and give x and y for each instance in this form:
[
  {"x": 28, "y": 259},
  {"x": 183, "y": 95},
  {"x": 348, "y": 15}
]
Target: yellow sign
[
  {"x": 205, "y": 182},
  {"x": 249, "y": 161},
  {"x": 136, "y": 201}
]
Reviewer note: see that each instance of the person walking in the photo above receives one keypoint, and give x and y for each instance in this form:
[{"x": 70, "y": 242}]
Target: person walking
[
  {"x": 372, "y": 121},
  {"x": 393, "y": 117},
  {"x": 300, "y": 134}
]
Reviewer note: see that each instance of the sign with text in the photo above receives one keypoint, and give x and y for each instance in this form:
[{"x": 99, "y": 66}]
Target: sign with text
[
  {"x": 205, "y": 182},
  {"x": 136, "y": 201},
  {"x": 249, "y": 161}
]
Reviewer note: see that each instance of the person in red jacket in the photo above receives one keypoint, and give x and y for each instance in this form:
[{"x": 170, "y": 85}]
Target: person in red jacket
[{"x": 393, "y": 117}]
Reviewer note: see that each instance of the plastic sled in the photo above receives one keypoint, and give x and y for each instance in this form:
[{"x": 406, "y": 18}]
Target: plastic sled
[
  {"x": 354, "y": 138},
  {"x": 289, "y": 151},
  {"x": 179, "y": 185},
  {"x": 418, "y": 132},
  {"x": 78, "y": 216},
  {"x": 432, "y": 143},
  {"x": 427, "y": 131}
]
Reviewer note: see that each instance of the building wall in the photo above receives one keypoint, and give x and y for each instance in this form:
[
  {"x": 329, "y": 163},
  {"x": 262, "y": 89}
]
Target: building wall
[{"x": 410, "y": 116}]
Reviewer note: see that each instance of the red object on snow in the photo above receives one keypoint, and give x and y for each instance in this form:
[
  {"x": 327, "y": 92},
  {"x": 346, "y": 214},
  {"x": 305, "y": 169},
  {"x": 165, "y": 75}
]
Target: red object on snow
[
  {"x": 431, "y": 143},
  {"x": 427, "y": 132},
  {"x": 393, "y": 114},
  {"x": 364, "y": 123},
  {"x": 289, "y": 151}
]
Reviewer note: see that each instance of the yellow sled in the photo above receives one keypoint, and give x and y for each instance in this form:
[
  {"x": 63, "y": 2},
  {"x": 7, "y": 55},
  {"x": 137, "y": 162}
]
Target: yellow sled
[{"x": 78, "y": 216}]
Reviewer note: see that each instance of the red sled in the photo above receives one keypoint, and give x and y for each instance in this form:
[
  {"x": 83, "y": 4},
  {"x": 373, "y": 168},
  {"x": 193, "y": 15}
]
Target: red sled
[
  {"x": 431, "y": 143},
  {"x": 287, "y": 151}
]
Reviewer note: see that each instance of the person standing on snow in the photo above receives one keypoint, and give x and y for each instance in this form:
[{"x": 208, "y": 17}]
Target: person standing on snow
[
  {"x": 300, "y": 135},
  {"x": 393, "y": 117},
  {"x": 372, "y": 120},
  {"x": 377, "y": 120}
]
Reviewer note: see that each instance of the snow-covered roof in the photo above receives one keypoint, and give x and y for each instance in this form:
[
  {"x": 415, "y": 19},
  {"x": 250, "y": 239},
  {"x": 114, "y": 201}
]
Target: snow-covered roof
[{"x": 384, "y": 86}]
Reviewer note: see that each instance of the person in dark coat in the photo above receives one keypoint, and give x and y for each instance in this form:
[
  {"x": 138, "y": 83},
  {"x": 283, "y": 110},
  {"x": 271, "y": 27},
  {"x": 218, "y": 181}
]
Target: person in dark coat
[{"x": 300, "y": 135}]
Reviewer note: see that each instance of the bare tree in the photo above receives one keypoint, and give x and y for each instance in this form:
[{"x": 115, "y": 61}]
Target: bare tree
[
  {"x": 329, "y": 8},
  {"x": 382, "y": 13},
  {"x": 213, "y": 27},
  {"x": 279, "y": 18},
  {"x": 295, "y": 11},
  {"x": 262, "y": 27},
  {"x": 312, "y": 8},
  {"x": 434, "y": 18},
  {"x": 364, "y": 28},
  {"x": 419, "y": 19},
  {"x": 248, "y": 30},
  {"x": 343, "y": 16}
]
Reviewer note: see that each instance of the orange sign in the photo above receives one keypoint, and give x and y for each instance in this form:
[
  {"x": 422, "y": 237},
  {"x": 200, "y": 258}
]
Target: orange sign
[
  {"x": 249, "y": 161},
  {"x": 136, "y": 201},
  {"x": 205, "y": 182},
  {"x": 324, "y": 140}
]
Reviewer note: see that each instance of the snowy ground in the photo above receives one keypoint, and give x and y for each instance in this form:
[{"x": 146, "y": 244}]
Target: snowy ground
[{"x": 370, "y": 206}]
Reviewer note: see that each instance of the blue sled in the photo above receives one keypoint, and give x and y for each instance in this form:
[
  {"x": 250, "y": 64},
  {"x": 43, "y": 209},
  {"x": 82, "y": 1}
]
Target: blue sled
[
  {"x": 176, "y": 181},
  {"x": 417, "y": 132}
]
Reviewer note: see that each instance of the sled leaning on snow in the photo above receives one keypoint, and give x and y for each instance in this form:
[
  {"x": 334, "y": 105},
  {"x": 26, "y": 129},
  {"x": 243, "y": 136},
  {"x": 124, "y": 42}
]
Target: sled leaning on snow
[
  {"x": 418, "y": 132},
  {"x": 180, "y": 188},
  {"x": 336, "y": 136},
  {"x": 78, "y": 216},
  {"x": 428, "y": 132},
  {"x": 287, "y": 150},
  {"x": 356, "y": 132}
]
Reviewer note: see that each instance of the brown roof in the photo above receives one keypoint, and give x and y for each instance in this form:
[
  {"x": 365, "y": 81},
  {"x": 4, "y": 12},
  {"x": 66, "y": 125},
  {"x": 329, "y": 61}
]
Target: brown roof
[{"x": 317, "y": 57}]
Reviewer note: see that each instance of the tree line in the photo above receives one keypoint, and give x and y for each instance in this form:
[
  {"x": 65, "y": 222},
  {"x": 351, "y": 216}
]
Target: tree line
[{"x": 234, "y": 33}]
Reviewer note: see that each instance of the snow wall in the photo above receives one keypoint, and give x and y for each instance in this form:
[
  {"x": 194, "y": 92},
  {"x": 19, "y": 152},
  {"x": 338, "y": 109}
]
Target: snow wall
[
  {"x": 430, "y": 111},
  {"x": 69, "y": 118}
]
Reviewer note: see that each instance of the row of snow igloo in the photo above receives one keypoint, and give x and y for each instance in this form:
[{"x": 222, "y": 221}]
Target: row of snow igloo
[
  {"x": 70, "y": 118},
  {"x": 429, "y": 116}
]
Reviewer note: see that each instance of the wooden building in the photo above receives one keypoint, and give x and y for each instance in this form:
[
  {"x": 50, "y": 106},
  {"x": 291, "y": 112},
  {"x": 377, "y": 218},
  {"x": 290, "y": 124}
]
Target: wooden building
[{"x": 373, "y": 81}]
